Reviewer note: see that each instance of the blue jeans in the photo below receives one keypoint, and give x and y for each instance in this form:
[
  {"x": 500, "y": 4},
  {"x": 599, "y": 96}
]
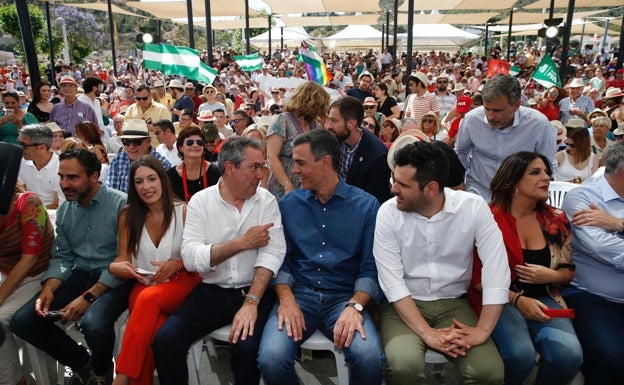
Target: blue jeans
[
  {"x": 97, "y": 324},
  {"x": 518, "y": 340},
  {"x": 206, "y": 309},
  {"x": 599, "y": 324},
  {"x": 321, "y": 310}
]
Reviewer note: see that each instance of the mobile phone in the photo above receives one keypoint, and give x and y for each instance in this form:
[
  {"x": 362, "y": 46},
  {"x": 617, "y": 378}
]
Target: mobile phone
[
  {"x": 559, "y": 313},
  {"x": 145, "y": 273},
  {"x": 10, "y": 112},
  {"x": 54, "y": 314}
]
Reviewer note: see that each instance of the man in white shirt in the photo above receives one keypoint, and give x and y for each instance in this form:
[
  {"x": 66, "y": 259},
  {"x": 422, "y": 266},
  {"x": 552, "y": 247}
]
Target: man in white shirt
[
  {"x": 424, "y": 243},
  {"x": 220, "y": 121},
  {"x": 39, "y": 169},
  {"x": 92, "y": 88},
  {"x": 165, "y": 133},
  {"x": 233, "y": 237}
]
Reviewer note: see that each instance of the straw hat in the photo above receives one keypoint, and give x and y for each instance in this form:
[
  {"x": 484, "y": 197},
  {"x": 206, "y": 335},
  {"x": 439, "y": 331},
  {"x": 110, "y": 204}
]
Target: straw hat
[
  {"x": 407, "y": 137},
  {"x": 613, "y": 92},
  {"x": 458, "y": 87},
  {"x": 54, "y": 127},
  {"x": 135, "y": 129},
  {"x": 175, "y": 84},
  {"x": 420, "y": 76},
  {"x": 369, "y": 101},
  {"x": 575, "y": 123},
  {"x": 619, "y": 130},
  {"x": 561, "y": 130},
  {"x": 576, "y": 83},
  {"x": 206, "y": 116}
]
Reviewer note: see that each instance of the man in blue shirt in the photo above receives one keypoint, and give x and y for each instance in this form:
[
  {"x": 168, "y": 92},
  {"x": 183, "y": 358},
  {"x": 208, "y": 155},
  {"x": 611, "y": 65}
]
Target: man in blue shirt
[
  {"x": 77, "y": 282},
  {"x": 596, "y": 293},
  {"x": 329, "y": 272}
]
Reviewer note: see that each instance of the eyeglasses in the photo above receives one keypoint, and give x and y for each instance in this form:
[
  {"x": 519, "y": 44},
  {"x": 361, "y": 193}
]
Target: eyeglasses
[
  {"x": 139, "y": 98},
  {"x": 571, "y": 145},
  {"x": 274, "y": 92},
  {"x": 370, "y": 107},
  {"x": 235, "y": 121},
  {"x": 26, "y": 145},
  {"x": 428, "y": 121},
  {"x": 442, "y": 81},
  {"x": 190, "y": 89},
  {"x": 199, "y": 142},
  {"x": 133, "y": 142},
  {"x": 366, "y": 124},
  {"x": 210, "y": 92}
]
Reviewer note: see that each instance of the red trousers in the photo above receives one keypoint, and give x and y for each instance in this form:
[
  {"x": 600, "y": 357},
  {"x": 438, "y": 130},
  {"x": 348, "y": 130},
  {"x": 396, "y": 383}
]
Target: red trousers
[{"x": 149, "y": 308}]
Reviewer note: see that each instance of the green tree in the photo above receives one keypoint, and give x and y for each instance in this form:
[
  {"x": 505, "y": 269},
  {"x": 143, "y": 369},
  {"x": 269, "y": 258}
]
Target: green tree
[{"x": 9, "y": 24}]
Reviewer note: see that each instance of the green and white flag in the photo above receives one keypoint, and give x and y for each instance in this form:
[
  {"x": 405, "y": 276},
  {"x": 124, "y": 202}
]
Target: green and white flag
[
  {"x": 249, "y": 62},
  {"x": 547, "y": 73},
  {"x": 183, "y": 61},
  {"x": 514, "y": 71}
]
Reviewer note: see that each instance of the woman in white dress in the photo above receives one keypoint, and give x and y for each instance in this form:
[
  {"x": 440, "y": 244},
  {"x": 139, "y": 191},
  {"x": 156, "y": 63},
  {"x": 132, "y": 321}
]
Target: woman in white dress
[
  {"x": 150, "y": 237},
  {"x": 577, "y": 162}
]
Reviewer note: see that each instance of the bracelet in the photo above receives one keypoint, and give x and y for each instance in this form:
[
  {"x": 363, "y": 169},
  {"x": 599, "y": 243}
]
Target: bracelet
[
  {"x": 512, "y": 301},
  {"x": 250, "y": 298},
  {"x": 180, "y": 265},
  {"x": 285, "y": 183}
]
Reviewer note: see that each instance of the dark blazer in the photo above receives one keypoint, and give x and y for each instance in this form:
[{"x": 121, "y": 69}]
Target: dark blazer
[{"x": 369, "y": 169}]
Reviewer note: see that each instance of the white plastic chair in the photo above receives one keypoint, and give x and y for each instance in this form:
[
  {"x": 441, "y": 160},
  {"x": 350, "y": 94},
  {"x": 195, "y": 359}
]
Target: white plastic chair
[{"x": 557, "y": 191}]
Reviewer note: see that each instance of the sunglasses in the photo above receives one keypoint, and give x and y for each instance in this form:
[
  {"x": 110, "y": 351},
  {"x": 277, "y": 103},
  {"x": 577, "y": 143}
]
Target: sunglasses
[
  {"x": 235, "y": 121},
  {"x": 274, "y": 92},
  {"x": 370, "y": 107},
  {"x": 428, "y": 121},
  {"x": 366, "y": 124},
  {"x": 442, "y": 81},
  {"x": 571, "y": 145},
  {"x": 134, "y": 142},
  {"x": 210, "y": 91},
  {"x": 139, "y": 98},
  {"x": 190, "y": 89},
  {"x": 25, "y": 145},
  {"x": 199, "y": 142}
]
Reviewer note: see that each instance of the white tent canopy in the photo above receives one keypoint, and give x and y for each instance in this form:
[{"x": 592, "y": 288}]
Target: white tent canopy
[
  {"x": 440, "y": 36},
  {"x": 292, "y": 37},
  {"x": 355, "y": 36}
]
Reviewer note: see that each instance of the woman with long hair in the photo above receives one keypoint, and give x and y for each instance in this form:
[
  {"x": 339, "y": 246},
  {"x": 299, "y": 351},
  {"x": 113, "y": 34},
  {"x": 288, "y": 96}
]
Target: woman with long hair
[
  {"x": 577, "y": 162},
  {"x": 194, "y": 173},
  {"x": 538, "y": 241},
  {"x": 386, "y": 104},
  {"x": 27, "y": 235},
  {"x": 40, "y": 105},
  {"x": 89, "y": 134},
  {"x": 150, "y": 239},
  {"x": 390, "y": 130},
  {"x": 372, "y": 125},
  {"x": 12, "y": 118},
  {"x": 304, "y": 112},
  {"x": 548, "y": 104}
]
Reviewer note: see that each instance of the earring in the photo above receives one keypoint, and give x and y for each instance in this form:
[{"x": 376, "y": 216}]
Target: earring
[{"x": 515, "y": 192}]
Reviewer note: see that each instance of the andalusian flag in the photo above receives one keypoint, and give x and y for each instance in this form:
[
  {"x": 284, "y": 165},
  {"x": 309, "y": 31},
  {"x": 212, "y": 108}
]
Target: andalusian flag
[
  {"x": 249, "y": 62},
  {"x": 183, "y": 61},
  {"x": 547, "y": 73},
  {"x": 314, "y": 65}
]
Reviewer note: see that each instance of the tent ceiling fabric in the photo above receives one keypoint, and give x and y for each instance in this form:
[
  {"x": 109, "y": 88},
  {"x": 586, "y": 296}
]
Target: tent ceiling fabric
[
  {"x": 532, "y": 17},
  {"x": 545, "y": 4},
  {"x": 370, "y": 19},
  {"x": 177, "y": 9},
  {"x": 590, "y": 29},
  {"x": 254, "y": 22},
  {"x": 429, "y": 5},
  {"x": 281, "y": 7},
  {"x": 456, "y": 18},
  {"x": 98, "y": 7}
]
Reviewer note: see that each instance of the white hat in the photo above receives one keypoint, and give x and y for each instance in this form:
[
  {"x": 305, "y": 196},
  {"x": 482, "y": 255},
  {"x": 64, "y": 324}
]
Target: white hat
[
  {"x": 619, "y": 130},
  {"x": 54, "y": 127},
  {"x": 420, "y": 76},
  {"x": 576, "y": 82},
  {"x": 458, "y": 87},
  {"x": 135, "y": 129},
  {"x": 575, "y": 123},
  {"x": 176, "y": 84},
  {"x": 206, "y": 116},
  {"x": 407, "y": 137}
]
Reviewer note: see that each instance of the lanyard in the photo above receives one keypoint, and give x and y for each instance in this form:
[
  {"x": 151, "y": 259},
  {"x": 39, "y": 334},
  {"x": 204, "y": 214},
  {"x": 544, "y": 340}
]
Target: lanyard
[{"x": 187, "y": 196}]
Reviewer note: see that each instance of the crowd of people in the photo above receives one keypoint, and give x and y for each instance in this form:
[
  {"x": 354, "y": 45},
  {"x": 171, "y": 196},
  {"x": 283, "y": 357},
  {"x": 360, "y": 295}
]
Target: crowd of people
[{"x": 393, "y": 212}]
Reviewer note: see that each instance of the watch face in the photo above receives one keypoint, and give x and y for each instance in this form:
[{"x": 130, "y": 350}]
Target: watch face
[{"x": 358, "y": 307}]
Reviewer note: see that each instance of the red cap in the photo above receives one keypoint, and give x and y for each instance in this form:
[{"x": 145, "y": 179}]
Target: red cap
[{"x": 463, "y": 104}]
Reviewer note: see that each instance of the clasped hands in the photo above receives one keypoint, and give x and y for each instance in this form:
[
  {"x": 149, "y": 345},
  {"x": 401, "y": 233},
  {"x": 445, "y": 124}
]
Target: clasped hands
[{"x": 455, "y": 340}]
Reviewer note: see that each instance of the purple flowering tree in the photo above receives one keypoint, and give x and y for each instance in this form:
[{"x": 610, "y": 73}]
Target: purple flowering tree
[{"x": 84, "y": 34}]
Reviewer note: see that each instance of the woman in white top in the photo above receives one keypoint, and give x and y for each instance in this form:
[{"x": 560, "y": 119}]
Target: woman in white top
[
  {"x": 577, "y": 162},
  {"x": 150, "y": 238}
]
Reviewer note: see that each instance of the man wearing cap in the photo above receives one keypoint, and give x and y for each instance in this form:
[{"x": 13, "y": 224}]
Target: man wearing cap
[
  {"x": 488, "y": 134},
  {"x": 182, "y": 101},
  {"x": 77, "y": 282},
  {"x": 446, "y": 100},
  {"x": 461, "y": 109},
  {"x": 166, "y": 136},
  {"x": 70, "y": 111},
  {"x": 136, "y": 142},
  {"x": 189, "y": 89},
  {"x": 39, "y": 169},
  {"x": 22, "y": 100},
  {"x": 362, "y": 91},
  {"x": 420, "y": 101},
  {"x": 363, "y": 156},
  {"x": 575, "y": 105}
]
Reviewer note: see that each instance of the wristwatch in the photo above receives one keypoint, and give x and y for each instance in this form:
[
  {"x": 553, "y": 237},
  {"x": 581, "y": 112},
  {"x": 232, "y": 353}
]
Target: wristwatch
[
  {"x": 356, "y": 306},
  {"x": 89, "y": 297}
]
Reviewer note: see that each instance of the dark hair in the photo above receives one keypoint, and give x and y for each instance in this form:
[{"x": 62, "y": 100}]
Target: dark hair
[
  {"x": 377, "y": 127},
  {"x": 91, "y": 82},
  {"x": 37, "y": 92},
  {"x": 165, "y": 125},
  {"x": 218, "y": 110},
  {"x": 88, "y": 132},
  {"x": 503, "y": 185},
  {"x": 322, "y": 143},
  {"x": 184, "y": 134},
  {"x": 477, "y": 100},
  {"x": 143, "y": 87},
  {"x": 10, "y": 94},
  {"x": 382, "y": 86},
  {"x": 582, "y": 143},
  {"x": 502, "y": 85},
  {"x": 188, "y": 112},
  {"x": 136, "y": 209},
  {"x": 233, "y": 150},
  {"x": 349, "y": 108},
  {"x": 429, "y": 160},
  {"x": 88, "y": 160}
]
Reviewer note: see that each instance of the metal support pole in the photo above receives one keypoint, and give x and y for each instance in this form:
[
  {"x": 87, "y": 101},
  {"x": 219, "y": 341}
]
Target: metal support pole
[
  {"x": 50, "y": 45},
  {"x": 383, "y": 31},
  {"x": 270, "y": 52},
  {"x": 28, "y": 41},
  {"x": 247, "y": 49},
  {"x": 189, "y": 17},
  {"x": 410, "y": 40},
  {"x": 111, "y": 27},
  {"x": 566, "y": 41},
  {"x": 387, "y": 28},
  {"x": 394, "y": 42},
  {"x": 209, "y": 41},
  {"x": 487, "y": 31},
  {"x": 621, "y": 51},
  {"x": 509, "y": 33}
]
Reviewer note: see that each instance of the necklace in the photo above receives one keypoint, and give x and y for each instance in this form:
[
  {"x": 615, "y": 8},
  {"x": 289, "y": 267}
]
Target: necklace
[{"x": 187, "y": 196}]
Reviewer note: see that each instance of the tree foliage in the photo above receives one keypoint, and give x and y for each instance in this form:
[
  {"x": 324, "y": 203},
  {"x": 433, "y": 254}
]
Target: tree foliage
[
  {"x": 84, "y": 33},
  {"x": 9, "y": 24}
]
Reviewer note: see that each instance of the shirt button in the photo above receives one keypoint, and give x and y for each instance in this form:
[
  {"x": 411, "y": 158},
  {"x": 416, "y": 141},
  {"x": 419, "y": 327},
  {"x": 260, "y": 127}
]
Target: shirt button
[
  {"x": 319, "y": 282},
  {"x": 323, "y": 243},
  {"x": 321, "y": 256},
  {"x": 324, "y": 209},
  {"x": 323, "y": 226}
]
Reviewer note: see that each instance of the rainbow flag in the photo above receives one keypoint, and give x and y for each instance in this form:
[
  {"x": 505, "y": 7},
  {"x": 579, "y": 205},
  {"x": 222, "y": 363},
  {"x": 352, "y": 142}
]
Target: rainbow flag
[{"x": 314, "y": 65}]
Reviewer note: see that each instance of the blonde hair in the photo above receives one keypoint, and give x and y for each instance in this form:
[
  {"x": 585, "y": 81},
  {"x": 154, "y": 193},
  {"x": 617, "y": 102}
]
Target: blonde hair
[
  {"x": 601, "y": 121},
  {"x": 309, "y": 101},
  {"x": 436, "y": 130},
  {"x": 72, "y": 143}
]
